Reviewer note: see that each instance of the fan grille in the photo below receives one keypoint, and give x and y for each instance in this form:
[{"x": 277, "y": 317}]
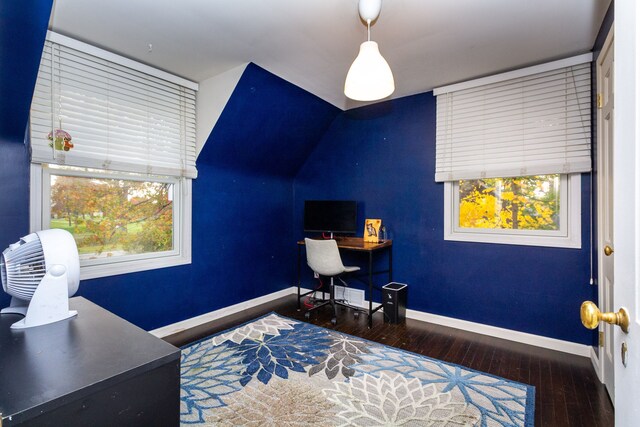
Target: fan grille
[{"x": 23, "y": 268}]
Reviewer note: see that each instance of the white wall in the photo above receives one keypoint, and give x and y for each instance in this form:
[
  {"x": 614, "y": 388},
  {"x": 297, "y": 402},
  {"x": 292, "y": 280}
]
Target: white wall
[{"x": 212, "y": 97}]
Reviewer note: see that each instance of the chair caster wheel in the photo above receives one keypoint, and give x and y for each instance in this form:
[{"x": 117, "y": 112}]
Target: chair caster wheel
[
  {"x": 307, "y": 315},
  {"x": 333, "y": 322}
]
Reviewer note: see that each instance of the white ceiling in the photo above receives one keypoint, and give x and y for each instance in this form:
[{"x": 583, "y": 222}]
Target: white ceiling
[{"x": 311, "y": 43}]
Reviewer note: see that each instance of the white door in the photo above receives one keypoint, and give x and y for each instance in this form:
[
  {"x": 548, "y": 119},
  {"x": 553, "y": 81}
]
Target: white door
[
  {"x": 626, "y": 200},
  {"x": 604, "y": 73}
]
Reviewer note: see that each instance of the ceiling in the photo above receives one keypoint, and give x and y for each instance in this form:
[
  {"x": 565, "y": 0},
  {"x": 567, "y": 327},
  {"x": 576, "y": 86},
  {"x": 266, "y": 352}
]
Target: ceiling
[{"x": 311, "y": 43}]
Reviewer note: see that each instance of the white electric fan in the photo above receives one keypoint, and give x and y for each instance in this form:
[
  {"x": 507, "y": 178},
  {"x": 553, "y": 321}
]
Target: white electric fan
[{"x": 41, "y": 272}]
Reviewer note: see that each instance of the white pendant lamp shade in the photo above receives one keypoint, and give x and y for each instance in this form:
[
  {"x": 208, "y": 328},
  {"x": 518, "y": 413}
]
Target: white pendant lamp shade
[{"x": 370, "y": 77}]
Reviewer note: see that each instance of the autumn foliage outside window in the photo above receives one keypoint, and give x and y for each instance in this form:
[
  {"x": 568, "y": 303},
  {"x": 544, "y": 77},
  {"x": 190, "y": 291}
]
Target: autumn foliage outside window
[
  {"x": 524, "y": 203},
  {"x": 113, "y": 217}
]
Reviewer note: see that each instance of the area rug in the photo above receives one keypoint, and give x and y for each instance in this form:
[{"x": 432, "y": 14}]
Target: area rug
[{"x": 276, "y": 371}]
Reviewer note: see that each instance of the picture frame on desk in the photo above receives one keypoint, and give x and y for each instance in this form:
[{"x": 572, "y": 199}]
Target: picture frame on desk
[{"x": 372, "y": 230}]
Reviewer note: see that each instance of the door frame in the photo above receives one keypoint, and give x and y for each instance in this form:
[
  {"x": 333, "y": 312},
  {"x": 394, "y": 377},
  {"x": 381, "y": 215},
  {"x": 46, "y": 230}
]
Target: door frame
[{"x": 598, "y": 357}]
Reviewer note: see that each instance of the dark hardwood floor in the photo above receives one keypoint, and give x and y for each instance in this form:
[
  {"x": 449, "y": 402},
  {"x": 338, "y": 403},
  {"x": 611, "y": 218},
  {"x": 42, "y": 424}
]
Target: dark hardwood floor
[{"x": 568, "y": 392}]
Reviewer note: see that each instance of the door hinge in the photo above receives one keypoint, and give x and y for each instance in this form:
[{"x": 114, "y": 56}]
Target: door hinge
[
  {"x": 601, "y": 339},
  {"x": 599, "y": 100}
]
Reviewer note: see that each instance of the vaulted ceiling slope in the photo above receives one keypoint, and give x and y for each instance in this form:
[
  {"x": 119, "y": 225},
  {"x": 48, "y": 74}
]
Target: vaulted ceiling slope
[
  {"x": 311, "y": 43},
  {"x": 268, "y": 126}
]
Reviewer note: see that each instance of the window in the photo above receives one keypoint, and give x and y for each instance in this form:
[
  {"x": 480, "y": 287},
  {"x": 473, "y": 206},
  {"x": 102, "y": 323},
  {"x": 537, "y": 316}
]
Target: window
[
  {"x": 541, "y": 210},
  {"x": 113, "y": 156},
  {"x": 510, "y": 149},
  {"x": 122, "y": 222}
]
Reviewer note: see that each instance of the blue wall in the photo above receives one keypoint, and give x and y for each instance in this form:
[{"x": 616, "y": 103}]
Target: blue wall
[
  {"x": 242, "y": 199},
  {"x": 23, "y": 26},
  {"x": 274, "y": 146},
  {"x": 268, "y": 127},
  {"x": 384, "y": 156}
]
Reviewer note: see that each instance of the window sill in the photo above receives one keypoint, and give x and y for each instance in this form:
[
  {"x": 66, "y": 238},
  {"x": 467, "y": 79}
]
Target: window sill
[
  {"x": 510, "y": 239},
  {"x": 133, "y": 266}
]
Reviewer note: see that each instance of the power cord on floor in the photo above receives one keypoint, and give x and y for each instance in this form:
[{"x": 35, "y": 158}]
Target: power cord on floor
[
  {"x": 344, "y": 290},
  {"x": 310, "y": 299}
]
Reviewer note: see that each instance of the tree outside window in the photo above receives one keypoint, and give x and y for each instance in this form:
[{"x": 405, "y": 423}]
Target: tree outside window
[
  {"x": 113, "y": 217},
  {"x": 520, "y": 203}
]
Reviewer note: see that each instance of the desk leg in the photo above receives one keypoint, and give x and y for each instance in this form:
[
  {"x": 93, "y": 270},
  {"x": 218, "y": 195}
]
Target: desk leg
[
  {"x": 390, "y": 264},
  {"x": 299, "y": 254},
  {"x": 370, "y": 289}
]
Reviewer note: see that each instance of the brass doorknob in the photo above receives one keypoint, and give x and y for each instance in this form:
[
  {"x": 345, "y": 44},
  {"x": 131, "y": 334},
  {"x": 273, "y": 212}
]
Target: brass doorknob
[
  {"x": 608, "y": 250},
  {"x": 591, "y": 315}
]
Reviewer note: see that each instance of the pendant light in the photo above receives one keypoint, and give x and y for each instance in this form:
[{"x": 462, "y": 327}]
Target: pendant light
[{"x": 369, "y": 77}]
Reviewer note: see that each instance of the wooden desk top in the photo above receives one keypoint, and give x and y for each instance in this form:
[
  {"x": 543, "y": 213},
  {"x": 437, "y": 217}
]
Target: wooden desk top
[{"x": 358, "y": 244}]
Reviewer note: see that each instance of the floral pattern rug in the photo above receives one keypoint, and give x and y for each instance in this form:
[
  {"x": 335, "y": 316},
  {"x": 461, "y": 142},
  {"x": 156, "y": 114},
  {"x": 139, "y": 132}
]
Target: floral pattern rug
[{"x": 275, "y": 371}]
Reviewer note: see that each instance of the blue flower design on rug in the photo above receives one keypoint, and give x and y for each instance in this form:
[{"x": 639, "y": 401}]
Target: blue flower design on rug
[
  {"x": 207, "y": 374},
  {"x": 277, "y": 355},
  {"x": 278, "y": 371}
]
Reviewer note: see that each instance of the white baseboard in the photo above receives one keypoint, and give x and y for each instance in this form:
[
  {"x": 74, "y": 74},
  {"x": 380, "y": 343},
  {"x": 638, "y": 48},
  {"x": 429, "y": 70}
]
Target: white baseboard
[
  {"x": 507, "y": 334},
  {"x": 174, "y": 328},
  {"x": 597, "y": 365}
]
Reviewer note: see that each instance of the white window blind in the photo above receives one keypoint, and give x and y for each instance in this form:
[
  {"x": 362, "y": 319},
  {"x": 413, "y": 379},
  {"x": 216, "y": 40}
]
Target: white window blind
[
  {"x": 532, "y": 125},
  {"x": 119, "y": 118}
]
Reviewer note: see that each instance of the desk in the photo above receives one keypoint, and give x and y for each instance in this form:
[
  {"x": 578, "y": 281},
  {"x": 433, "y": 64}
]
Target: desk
[
  {"x": 357, "y": 244},
  {"x": 95, "y": 369}
]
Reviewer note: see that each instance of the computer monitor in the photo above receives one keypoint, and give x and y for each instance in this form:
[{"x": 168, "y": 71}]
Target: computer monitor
[{"x": 330, "y": 216}]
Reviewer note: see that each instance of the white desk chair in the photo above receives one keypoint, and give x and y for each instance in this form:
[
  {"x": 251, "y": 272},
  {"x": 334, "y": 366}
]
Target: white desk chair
[{"x": 323, "y": 257}]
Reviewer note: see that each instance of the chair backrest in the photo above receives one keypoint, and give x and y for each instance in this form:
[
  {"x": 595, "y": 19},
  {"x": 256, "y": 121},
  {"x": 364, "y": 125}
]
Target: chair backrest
[{"x": 323, "y": 257}]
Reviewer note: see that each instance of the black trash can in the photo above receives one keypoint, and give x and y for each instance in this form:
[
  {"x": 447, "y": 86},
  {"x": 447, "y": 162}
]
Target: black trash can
[{"x": 394, "y": 296}]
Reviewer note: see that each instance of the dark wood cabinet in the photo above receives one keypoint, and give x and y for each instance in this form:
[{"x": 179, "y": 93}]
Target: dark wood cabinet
[{"x": 94, "y": 369}]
